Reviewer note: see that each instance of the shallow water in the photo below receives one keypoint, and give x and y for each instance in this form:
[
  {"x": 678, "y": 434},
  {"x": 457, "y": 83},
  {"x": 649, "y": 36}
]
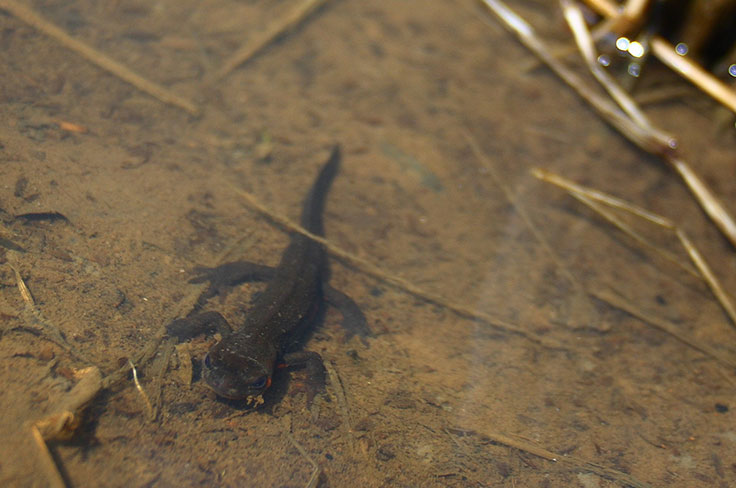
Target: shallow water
[{"x": 435, "y": 399}]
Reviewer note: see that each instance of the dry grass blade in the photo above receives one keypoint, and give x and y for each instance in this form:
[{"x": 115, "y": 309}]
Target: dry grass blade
[
  {"x": 628, "y": 230},
  {"x": 316, "y": 471},
  {"x": 273, "y": 31},
  {"x": 598, "y": 195},
  {"x": 342, "y": 402},
  {"x": 718, "y": 214},
  {"x": 577, "y": 463},
  {"x": 711, "y": 85},
  {"x": 665, "y": 52},
  {"x": 159, "y": 366},
  {"x": 715, "y": 285},
  {"x": 35, "y": 319},
  {"x": 149, "y": 407},
  {"x": 589, "y": 196},
  {"x": 400, "y": 283},
  {"x": 579, "y": 298},
  {"x": 619, "y": 19},
  {"x": 603, "y": 7},
  {"x": 582, "y": 36},
  {"x": 645, "y": 138},
  {"x": 32, "y": 18},
  {"x": 25, "y": 293},
  {"x": 663, "y": 325},
  {"x": 608, "y": 110}
]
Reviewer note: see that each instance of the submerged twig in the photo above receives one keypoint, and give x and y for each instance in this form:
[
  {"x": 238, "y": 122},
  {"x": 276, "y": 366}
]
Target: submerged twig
[
  {"x": 595, "y": 200},
  {"x": 584, "y": 41},
  {"x": 702, "y": 193},
  {"x": 316, "y": 471},
  {"x": 712, "y": 206},
  {"x": 620, "y": 19},
  {"x": 160, "y": 366},
  {"x": 577, "y": 463},
  {"x": 589, "y": 196},
  {"x": 400, "y": 283},
  {"x": 526, "y": 35},
  {"x": 51, "y": 470},
  {"x": 67, "y": 416},
  {"x": 663, "y": 325},
  {"x": 292, "y": 18},
  {"x": 64, "y": 422},
  {"x": 580, "y": 297},
  {"x": 163, "y": 94},
  {"x": 35, "y": 319},
  {"x": 710, "y": 278},
  {"x": 605, "y": 8}
]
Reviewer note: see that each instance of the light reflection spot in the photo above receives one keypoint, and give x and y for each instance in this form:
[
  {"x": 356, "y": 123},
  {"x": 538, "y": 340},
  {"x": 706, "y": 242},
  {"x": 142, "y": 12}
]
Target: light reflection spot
[
  {"x": 636, "y": 49},
  {"x": 622, "y": 43}
]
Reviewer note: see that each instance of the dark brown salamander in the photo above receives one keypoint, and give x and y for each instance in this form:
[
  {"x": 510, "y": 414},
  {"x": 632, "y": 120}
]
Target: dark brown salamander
[{"x": 241, "y": 365}]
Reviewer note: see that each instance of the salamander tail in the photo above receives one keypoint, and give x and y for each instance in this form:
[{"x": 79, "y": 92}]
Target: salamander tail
[{"x": 315, "y": 202}]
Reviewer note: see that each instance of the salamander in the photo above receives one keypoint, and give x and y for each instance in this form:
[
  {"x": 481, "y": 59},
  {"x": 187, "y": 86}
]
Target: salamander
[{"x": 241, "y": 365}]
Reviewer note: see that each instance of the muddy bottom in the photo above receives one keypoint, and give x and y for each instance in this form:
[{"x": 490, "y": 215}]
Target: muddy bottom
[{"x": 110, "y": 198}]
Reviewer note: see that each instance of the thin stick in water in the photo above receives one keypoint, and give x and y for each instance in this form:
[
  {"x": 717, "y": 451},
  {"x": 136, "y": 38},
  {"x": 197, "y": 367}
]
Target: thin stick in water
[
  {"x": 588, "y": 196},
  {"x": 269, "y": 35},
  {"x": 163, "y": 94}
]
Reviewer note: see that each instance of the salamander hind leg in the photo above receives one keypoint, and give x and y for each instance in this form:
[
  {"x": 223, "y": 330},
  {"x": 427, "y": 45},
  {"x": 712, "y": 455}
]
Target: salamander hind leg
[
  {"x": 353, "y": 318},
  {"x": 232, "y": 274},
  {"x": 222, "y": 278},
  {"x": 199, "y": 323}
]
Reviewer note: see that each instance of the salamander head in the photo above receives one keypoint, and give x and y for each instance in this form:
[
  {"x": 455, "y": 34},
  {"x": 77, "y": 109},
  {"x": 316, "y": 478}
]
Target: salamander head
[{"x": 237, "y": 370}]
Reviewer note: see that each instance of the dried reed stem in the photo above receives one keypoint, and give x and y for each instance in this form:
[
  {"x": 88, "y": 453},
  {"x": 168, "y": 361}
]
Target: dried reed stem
[
  {"x": 141, "y": 391},
  {"x": 51, "y": 470},
  {"x": 664, "y": 326},
  {"x": 579, "y": 298},
  {"x": 589, "y": 195},
  {"x": 641, "y": 135},
  {"x": 33, "y": 19},
  {"x": 569, "y": 460},
  {"x": 400, "y": 283},
  {"x": 691, "y": 71},
  {"x": 263, "y": 39}
]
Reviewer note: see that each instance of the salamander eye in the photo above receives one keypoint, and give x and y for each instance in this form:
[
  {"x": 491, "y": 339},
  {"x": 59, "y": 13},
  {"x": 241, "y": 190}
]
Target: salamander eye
[
  {"x": 259, "y": 383},
  {"x": 207, "y": 361}
]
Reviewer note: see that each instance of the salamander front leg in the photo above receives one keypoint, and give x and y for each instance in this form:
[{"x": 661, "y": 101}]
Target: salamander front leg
[{"x": 316, "y": 375}]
